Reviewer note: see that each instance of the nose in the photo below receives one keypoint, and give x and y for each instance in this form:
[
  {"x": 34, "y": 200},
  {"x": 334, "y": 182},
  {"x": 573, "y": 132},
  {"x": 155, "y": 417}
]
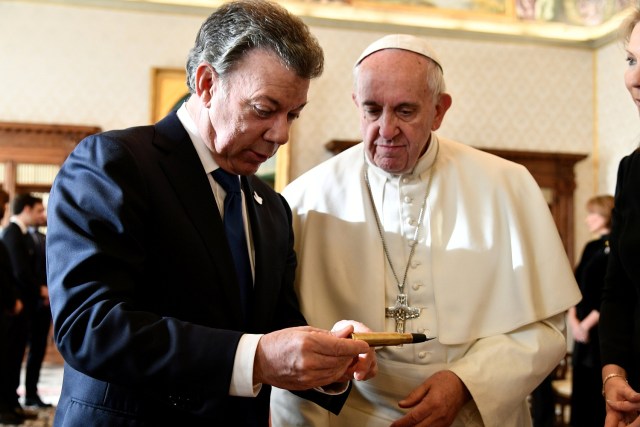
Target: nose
[
  {"x": 278, "y": 132},
  {"x": 388, "y": 125}
]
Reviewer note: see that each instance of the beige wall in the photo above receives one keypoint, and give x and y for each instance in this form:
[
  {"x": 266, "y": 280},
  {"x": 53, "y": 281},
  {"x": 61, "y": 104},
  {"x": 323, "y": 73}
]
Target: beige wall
[
  {"x": 81, "y": 65},
  {"x": 91, "y": 66}
]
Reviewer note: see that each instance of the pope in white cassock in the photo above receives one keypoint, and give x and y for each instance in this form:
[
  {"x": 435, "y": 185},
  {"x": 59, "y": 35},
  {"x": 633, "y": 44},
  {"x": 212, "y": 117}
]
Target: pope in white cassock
[{"x": 412, "y": 232}]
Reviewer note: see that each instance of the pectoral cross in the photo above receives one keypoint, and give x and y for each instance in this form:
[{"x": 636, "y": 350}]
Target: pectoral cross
[{"x": 401, "y": 312}]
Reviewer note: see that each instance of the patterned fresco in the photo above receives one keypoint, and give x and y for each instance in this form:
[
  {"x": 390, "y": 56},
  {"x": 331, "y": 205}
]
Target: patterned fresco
[
  {"x": 573, "y": 12},
  {"x": 91, "y": 66}
]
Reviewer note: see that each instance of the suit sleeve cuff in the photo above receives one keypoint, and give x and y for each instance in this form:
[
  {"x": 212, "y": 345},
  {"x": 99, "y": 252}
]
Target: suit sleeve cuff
[
  {"x": 242, "y": 375},
  {"x": 334, "y": 388}
]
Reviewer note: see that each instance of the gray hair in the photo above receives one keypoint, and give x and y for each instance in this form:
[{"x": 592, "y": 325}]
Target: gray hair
[
  {"x": 240, "y": 26},
  {"x": 435, "y": 78}
]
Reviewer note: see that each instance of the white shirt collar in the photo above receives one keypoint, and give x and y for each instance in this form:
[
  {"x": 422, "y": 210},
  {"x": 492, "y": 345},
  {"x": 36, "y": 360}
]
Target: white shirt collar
[{"x": 206, "y": 158}]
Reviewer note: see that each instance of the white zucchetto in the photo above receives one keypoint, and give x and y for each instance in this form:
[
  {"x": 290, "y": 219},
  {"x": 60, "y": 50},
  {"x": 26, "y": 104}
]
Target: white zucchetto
[{"x": 404, "y": 42}]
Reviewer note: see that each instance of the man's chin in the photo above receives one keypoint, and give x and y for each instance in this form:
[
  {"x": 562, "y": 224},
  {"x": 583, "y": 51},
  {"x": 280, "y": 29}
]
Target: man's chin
[
  {"x": 390, "y": 166},
  {"x": 249, "y": 169}
]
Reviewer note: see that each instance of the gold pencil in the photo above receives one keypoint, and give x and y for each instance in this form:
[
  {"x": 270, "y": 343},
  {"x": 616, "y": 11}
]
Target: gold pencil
[{"x": 378, "y": 339}]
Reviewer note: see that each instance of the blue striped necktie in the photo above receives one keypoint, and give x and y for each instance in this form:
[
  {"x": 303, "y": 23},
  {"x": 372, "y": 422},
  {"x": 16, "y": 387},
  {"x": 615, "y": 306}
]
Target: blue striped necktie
[{"x": 234, "y": 229}]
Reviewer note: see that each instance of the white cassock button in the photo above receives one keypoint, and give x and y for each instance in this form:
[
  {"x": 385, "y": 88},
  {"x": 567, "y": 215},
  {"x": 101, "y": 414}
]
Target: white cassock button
[
  {"x": 422, "y": 354},
  {"x": 415, "y": 264},
  {"x": 416, "y": 286},
  {"x": 421, "y": 330},
  {"x": 408, "y": 199},
  {"x": 411, "y": 222},
  {"x": 406, "y": 180}
]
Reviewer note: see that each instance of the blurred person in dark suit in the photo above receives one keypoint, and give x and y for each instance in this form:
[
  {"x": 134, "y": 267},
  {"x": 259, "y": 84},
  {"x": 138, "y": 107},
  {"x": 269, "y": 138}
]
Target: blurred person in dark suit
[
  {"x": 40, "y": 322},
  {"x": 25, "y": 209},
  {"x": 10, "y": 305},
  {"x": 8, "y": 293}
]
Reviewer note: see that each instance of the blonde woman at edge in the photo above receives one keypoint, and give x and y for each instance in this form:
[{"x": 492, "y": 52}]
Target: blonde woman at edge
[{"x": 619, "y": 315}]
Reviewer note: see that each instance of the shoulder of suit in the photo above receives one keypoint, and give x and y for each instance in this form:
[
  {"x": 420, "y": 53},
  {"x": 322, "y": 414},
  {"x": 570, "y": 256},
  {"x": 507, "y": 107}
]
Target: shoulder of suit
[{"x": 129, "y": 135}]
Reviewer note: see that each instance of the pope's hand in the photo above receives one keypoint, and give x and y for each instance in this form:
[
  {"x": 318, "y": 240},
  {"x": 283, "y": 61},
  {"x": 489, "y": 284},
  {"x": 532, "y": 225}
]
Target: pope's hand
[
  {"x": 436, "y": 402},
  {"x": 304, "y": 357},
  {"x": 364, "y": 366}
]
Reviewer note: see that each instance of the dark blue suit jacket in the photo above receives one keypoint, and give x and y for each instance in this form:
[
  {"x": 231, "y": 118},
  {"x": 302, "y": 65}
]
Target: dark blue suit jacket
[
  {"x": 21, "y": 254},
  {"x": 146, "y": 306}
]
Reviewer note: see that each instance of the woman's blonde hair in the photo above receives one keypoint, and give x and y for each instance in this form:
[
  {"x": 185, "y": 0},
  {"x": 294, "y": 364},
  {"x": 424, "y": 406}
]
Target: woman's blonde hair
[{"x": 627, "y": 26}]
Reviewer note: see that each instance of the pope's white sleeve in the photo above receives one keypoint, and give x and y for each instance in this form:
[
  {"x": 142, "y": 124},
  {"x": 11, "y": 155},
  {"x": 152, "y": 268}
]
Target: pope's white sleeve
[{"x": 500, "y": 371}]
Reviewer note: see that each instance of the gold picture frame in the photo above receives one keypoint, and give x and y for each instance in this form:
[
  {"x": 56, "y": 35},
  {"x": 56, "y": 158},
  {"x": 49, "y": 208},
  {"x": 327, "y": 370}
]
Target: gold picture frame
[{"x": 168, "y": 87}]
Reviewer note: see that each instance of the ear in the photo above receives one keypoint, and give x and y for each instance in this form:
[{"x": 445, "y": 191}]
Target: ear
[
  {"x": 354, "y": 98},
  {"x": 206, "y": 82},
  {"x": 443, "y": 104}
]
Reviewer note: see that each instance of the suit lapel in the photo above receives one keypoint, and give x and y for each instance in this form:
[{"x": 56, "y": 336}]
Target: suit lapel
[
  {"x": 185, "y": 173},
  {"x": 265, "y": 290}
]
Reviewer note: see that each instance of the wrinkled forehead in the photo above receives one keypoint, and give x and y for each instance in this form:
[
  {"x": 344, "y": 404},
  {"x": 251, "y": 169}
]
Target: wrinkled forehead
[
  {"x": 408, "y": 82},
  {"x": 403, "y": 42}
]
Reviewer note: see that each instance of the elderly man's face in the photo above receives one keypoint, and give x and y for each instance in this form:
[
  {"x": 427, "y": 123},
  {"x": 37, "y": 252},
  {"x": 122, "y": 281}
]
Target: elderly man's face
[
  {"x": 396, "y": 107},
  {"x": 251, "y": 112}
]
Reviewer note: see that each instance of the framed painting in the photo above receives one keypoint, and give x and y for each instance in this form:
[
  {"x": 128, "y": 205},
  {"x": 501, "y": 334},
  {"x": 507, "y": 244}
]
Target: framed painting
[{"x": 169, "y": 90}]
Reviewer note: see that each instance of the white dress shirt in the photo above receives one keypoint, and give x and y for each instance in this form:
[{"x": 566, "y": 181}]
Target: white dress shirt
[{"x": 242, "y": 377}]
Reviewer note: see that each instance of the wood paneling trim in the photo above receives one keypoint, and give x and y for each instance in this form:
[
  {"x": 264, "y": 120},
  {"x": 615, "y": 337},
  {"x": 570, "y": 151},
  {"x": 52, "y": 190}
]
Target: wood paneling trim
[
  {"x": 40, "y": 143},
  {"x": 554, "y": 171},
  {"x": 36, "y": 143}
]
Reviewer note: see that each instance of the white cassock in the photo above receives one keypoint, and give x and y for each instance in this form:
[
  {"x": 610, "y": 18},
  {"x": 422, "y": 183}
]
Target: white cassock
[{"x": 489, "y": 274}]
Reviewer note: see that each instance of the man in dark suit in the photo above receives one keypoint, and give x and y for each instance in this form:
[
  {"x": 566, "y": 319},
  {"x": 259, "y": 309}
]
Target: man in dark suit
[
  {"x": 146, "y": 300},
  {"x": 10, "y": 306},
  {"x": 26, "y": 211},
  {"x": 40, "y": 322}
]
